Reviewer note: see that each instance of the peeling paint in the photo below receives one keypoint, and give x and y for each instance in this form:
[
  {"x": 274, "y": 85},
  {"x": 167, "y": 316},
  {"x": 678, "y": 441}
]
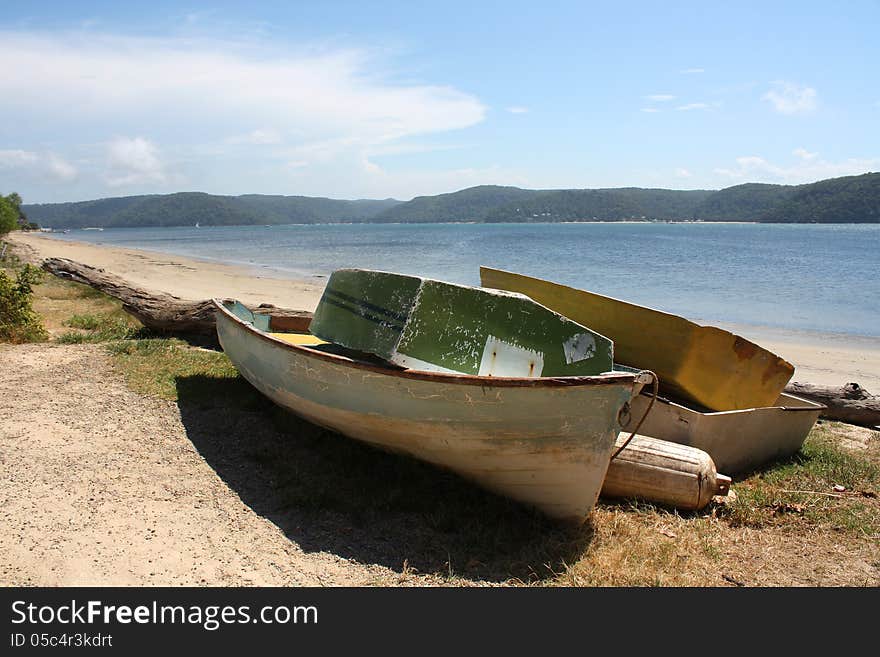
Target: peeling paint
[{"x": 578, "y": 347}]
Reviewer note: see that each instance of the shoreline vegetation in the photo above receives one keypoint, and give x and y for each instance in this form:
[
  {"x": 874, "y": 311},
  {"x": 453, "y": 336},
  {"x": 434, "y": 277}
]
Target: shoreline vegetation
[
  {"x": 849, "y": 199},
  {"x": 174, "y": 471}
]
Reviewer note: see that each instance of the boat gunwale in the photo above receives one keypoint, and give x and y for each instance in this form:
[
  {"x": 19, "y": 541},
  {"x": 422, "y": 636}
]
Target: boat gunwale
[
  {"x": 615, "y": 378},
  {"x": 808, "y": 407}
]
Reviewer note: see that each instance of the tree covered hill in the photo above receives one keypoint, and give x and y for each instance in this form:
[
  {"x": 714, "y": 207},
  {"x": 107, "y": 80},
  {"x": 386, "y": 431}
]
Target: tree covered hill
[
  {"x": 189, "y": 208},
  {"x": 472, "y": 204},
  {"x": 629, "y": 203},
  {"x": 749, "y": 202},
  {"x": 851, "y": 199}
]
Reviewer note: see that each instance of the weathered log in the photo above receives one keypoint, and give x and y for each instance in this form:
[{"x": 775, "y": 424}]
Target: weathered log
[
  {"x": 851, "y": 403},
  {"x": 161, "y": 312}
]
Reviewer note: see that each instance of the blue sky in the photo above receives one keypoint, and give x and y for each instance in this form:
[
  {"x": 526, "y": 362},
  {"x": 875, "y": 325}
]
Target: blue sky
[{"x": 399, "y": 99}]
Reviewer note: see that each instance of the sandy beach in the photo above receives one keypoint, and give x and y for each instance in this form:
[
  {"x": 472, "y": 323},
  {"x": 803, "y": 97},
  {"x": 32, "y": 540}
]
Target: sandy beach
[
  {"x": 819, "y": 358},
  {"x": 187, "y": 278}
]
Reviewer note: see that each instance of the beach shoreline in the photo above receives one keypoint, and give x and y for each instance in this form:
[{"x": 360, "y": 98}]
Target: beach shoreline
[
  {"x": 181, "y": 276},
  {"x": 819, "y": 358}
]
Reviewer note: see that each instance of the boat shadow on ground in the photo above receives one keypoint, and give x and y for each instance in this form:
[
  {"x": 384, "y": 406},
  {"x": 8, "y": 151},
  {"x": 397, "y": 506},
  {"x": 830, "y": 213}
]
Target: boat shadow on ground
[{"x": 329, "y": 493}]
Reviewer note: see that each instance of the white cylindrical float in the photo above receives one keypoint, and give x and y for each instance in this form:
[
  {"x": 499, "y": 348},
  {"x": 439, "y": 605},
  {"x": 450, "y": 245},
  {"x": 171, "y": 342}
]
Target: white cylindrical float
[{"x": 664, "y": 472}]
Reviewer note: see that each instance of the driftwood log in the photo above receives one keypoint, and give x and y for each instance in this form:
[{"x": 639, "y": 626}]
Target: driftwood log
[
  {"x": 160, "y": 312},
  {"x": 851, "y": 403}
]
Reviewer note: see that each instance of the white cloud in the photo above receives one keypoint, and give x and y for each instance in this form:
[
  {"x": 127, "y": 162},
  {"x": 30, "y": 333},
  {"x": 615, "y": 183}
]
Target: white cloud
[
  {"x": 660, "y": 98},
  {"x": 692, "y": 71},
  {"x": 753, "y": 168},
  {"x": 37, "y": 165},
  {"x": 518, "y": 110},
  {"x": 692, "y": 106},
  {"x": 790, "y": 98},
  {"x": 257, "y": 137},
  {"x": 683, "y": 173},
  {"x": 200, "y": 96},
  {"x": 804, "y": 154},
  {"x": 134, "y": 161},
  {"x": 202, "y": 83},
  {"x": 60, "y": 168},
  {"x": 650, "y": 110},
  {"x": 13, "y": 158}
]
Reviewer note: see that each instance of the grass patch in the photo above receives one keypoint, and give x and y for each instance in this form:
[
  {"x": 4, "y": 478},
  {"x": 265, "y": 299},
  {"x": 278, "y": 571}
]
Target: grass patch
[
  {"x": 85, "y": 322},
  {"x": 101, "y": 328},
  {"x": 152, "y": 366},
  {"x": 801, "y": 491}
]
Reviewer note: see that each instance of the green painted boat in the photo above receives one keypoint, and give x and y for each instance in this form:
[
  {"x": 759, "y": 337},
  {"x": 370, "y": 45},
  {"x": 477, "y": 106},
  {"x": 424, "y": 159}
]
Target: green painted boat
[
  {"x": 544, "y": 441},
  {"x": 431, "y": 325}
]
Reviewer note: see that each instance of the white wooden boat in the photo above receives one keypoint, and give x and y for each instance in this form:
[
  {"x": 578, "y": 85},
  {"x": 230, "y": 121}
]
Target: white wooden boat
[
  {"x": 544, "y": 441},
  {"x": 737, "y": 441}
]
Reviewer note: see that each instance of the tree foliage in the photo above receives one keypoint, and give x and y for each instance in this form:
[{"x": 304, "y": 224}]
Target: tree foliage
[
  {"x": 18, "y": 321},
  {"x": 8, "y": 216}
]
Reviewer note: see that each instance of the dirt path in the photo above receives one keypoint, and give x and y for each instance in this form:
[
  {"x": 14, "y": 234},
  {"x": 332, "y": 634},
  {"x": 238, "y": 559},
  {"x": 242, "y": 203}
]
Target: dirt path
[{"x": 101, "y": 486}]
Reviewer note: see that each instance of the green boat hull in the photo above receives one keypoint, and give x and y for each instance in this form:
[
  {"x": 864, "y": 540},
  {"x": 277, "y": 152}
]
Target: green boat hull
[{"x": 430, "y": 325}]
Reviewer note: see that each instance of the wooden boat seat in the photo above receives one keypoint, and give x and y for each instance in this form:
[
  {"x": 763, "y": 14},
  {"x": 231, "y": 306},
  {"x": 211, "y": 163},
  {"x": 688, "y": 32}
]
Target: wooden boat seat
[{"x": 304, "y": 339}]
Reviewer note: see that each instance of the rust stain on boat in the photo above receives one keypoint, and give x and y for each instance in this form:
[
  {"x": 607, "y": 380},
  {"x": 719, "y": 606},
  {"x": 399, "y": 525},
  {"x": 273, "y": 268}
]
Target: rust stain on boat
[{"x": 744, "y": 349}]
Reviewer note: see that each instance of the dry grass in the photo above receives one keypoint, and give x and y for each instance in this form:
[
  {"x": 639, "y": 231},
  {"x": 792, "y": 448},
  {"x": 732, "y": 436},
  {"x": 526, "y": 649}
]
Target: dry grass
[
  {"x": 787, "y": 525},
  {"x": 73, "y": 309}
]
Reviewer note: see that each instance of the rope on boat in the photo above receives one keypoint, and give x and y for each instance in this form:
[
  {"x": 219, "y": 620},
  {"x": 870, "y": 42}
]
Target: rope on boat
[{"x": 656, "y": 389}]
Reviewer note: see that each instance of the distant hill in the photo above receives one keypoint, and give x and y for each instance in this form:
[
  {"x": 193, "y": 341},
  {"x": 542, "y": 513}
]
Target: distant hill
[
  {"x": 749, "y": 202},
  {"x": 189, "y": 208},
  {"x": 603, "y": 205},
  {"x": 472, "y": 204},
  {"x": 851, "y": 199},
  {"x": 512, "y": 204}
]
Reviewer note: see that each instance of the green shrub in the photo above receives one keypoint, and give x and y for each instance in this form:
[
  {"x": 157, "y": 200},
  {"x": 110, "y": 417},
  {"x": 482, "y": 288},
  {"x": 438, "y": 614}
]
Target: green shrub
[{"x": 18, "y": 321}]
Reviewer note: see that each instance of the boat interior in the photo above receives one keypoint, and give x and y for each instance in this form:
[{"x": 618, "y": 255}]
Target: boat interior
[{"x": 295, "y": 330}]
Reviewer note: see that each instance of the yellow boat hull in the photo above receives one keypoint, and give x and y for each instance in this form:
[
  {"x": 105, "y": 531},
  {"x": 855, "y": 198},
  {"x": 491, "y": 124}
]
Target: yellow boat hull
[{"x": 706, "y": 365}]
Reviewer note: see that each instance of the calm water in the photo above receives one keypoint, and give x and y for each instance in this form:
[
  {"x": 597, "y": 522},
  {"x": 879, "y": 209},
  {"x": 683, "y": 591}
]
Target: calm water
[{"x": 805, "y": 277}]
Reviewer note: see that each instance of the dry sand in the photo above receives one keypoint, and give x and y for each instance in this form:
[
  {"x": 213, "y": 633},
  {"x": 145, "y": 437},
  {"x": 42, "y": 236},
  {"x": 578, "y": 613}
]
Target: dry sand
[
  {"x": 827, "y": 359},
  {"x": 108, "y": 489},
  {"x": 187, "y": 278}
]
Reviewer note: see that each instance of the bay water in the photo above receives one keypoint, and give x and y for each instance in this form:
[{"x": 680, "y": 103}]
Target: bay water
[{"x": 809, "y": 277}]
